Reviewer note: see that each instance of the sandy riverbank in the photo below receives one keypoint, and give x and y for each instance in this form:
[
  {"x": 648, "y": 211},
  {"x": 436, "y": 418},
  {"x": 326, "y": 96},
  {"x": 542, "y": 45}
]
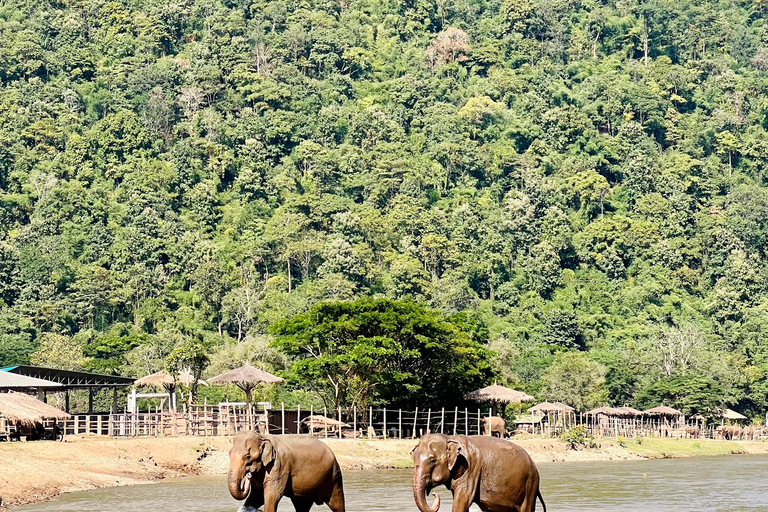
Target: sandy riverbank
[{"x": 36, "y": 471}]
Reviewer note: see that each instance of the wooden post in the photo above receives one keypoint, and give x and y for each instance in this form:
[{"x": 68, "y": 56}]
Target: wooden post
[
  {"x": 490, "y": 432},
  {"x": 384, "y": 429},
  {"x": 325, "y": 421},
  {"x": 400, "y": 424},
  {"x": 354, "y": 420},
  {"x": 415, "y": 418},
  {"x": 479, "y": 421},
  {"x": 282, "y": 417},
  {"x": 370, "y": 419},
  {"x": 298, "y": 419},
  {"x": 339, "y": 422},
  {"x": 466, "y": 421},
  {"x": 442, "y": 419},
  {"x": 455, "y": 419},
  {"x": 99, "y": 419},
  {"x": 429, "y": 418}
]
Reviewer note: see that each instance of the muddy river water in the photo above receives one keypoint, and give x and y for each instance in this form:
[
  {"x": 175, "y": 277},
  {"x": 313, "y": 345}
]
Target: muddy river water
[{"x": 729, "y": 483}]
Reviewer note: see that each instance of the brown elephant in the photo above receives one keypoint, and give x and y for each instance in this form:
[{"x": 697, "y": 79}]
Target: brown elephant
[
  {"x": 729, "y": 432},
  {"x": 497, "y": 475},
  {"x": 495, "y": 425},
  {"x": 264, "y": 468}
]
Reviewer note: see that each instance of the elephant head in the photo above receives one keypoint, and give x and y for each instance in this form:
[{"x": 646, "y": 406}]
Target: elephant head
[
  {"x": 437, "y": 460},
  {"x": 250, "y": 455}
]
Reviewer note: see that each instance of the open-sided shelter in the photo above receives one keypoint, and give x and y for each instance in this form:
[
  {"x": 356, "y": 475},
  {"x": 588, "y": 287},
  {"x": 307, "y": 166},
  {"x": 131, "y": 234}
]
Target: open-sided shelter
[
  {"x": 496, "y": 394},
  {"x": 25, "y": 412},
  {"x": 246, "y": 378}
]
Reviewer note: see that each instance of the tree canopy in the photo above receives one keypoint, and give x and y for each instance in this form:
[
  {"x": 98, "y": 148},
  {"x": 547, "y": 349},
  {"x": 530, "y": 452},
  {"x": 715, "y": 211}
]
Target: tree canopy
[{"x": 580, "y": 178}]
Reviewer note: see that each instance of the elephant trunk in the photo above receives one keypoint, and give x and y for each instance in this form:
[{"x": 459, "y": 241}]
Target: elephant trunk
[
  {"x": 420, "y": 492},
  {"x": 239, "y": 484}
]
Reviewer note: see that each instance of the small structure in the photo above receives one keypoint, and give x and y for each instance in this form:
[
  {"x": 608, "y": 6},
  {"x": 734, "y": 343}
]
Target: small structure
[
  {"x": 161, "y": 379},
  {"x": 732, "y": 416},
  {"x": 558, "y": 414},
  {"x": 246, "y": 378},
  {"x": 322, "y": 424},
  {"x": 12, "y": 381},
  {"x": 68, "y": 380},
  {"x": 28, "y": 416},
  {"x": 527, "y": 423},
  {"x": 498, "y": 395},
  {"x": 667, "y": 419}
]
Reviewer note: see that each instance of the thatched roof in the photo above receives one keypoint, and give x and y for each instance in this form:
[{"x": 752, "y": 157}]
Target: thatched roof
[
  {"x": 500, "y": 394},
  {"x": 550, "y": 408},
  {"x": 166, "y": 379},
  {"x": 10, "y": 380},
  {"x": 730, "y": 414},
  {"x": 607, "y": 411},
  {"x": 663, "y": 410},
  {"x": 27, "y": 410},
  {"x": 565, "y": 406},
  {"x": 319, "y": 421},
  {"x": 629, "y": 411},
  {"x": 246, "y": 374}
]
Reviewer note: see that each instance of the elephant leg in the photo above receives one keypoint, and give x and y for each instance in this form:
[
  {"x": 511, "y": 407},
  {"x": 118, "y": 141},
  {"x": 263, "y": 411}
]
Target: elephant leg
[
  {"x": 336, "y": 503},
  {"x": 461, "y": 503},
  {"x": 271, "y": 500},
  {"x": 301, "y": 505}
]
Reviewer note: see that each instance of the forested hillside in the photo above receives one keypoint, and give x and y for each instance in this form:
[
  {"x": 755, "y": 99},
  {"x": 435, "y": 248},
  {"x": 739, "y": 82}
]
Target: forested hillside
[{"x": 582, "y": 180}]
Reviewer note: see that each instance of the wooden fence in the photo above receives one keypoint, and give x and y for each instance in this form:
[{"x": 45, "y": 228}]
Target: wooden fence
[{"x": 227, "y": 419}]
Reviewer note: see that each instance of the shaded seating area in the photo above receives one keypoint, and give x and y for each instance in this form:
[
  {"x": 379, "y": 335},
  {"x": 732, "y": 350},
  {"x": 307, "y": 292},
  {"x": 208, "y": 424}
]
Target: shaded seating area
[
  {"x": 559, "y": 416},
  {"x": 22, "y": 415},
  {"x": 318, "y": 424}
]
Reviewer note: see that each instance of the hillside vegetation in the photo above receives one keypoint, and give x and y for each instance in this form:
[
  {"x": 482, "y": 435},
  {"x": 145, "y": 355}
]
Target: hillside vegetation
[{"x": 583, "y": 182}]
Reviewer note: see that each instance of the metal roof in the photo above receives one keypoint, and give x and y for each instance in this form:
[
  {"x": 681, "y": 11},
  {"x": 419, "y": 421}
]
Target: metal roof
[
  {"x": 10, "y": 380},
  {"x": 70, "y": 379}
]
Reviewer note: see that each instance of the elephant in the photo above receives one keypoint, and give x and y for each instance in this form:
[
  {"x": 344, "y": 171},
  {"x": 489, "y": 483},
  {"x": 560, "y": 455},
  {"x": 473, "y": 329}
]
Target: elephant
[
  {"x": 497, "y": 475},
  {"x": 264, "y": 468},
  {"x": 729, "y": 432},
  {"x": 498, "y": 426}
]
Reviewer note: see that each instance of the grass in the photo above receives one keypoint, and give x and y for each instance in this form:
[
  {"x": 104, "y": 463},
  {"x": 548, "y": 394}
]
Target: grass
[{"x": 666, "y": 448}]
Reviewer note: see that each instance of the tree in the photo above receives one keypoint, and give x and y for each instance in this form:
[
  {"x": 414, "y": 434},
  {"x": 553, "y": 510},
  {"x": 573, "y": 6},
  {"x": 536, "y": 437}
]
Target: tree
[
  {"x": 575, "y": 380},
  {"x": 374, "y": 351}
]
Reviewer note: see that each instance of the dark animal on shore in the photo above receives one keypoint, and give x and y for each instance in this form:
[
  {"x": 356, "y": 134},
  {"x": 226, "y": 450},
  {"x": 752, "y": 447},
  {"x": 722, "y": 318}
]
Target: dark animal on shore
[
  {"x": 497, "y": 475},
  {"x": 497, "y": 426},
  {"x": 264, "y": 468}
]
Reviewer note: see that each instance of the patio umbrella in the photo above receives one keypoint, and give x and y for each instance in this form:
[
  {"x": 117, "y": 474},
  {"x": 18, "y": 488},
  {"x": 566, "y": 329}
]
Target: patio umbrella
[
  {"x": 498, "y": 395},
  {"x": 246, "y": 378}
]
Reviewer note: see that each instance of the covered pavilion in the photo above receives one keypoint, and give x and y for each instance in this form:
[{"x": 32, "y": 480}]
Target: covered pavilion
[{"x": 66, "y": 380}]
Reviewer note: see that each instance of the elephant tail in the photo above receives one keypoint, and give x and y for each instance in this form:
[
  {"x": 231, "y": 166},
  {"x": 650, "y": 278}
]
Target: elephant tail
[{"x": 543, "y": 505}]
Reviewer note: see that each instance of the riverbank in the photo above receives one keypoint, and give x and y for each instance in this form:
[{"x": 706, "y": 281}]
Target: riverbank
[{"x": 40, "y": 470}]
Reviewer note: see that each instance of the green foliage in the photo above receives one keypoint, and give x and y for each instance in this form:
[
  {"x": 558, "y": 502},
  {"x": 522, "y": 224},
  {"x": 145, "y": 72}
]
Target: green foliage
[
  {"x": 578, "y": 437},
  {"x": 583, "y": 176},
  {"x": 382, "y": 351}
]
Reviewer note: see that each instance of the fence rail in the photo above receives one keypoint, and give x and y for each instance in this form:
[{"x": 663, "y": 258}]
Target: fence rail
[{"x": 227, "y": 419}]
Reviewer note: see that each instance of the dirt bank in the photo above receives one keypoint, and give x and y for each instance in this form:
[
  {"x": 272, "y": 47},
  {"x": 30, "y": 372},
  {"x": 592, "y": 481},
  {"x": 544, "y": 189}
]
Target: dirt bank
[{"x": 83, "y": 463}]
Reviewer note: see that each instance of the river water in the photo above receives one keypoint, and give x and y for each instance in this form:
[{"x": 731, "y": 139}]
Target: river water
[{"x": 729, "y": 483}]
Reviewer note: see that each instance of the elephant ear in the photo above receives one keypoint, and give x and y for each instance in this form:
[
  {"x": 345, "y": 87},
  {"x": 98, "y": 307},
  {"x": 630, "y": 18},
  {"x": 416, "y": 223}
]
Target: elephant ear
[
  {"x": 267, "y": 452},
  {"x": 456, "y": 449}
]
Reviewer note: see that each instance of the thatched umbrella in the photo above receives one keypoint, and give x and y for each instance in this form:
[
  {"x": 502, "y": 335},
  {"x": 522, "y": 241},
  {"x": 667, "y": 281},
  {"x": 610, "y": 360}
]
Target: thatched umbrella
[
  {"x": 546, "y": 408},
  {"x": 498, "y": 395},
  {"x": 556, "y": 409},
  {"x": 246, "y": 378},
  {"x": 663, "y": 410},
  {"x": 168, "y": 381},
  {"x": 27, "y": 410},
  {"x": 630, "y": 411}
]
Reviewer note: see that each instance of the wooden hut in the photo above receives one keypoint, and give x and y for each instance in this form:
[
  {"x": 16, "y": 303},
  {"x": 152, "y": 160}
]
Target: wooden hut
[
  {"x": 25, "y": 415},
  {"x": 558, "y": 414},
  {"x": 664, "y": 419},
  {"x": 498, "y": 395}
]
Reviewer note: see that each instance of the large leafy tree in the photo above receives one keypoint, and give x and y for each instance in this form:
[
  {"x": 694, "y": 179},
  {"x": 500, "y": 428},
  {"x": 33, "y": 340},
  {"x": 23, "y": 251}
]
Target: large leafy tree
[{"x": 373, "y": 351}]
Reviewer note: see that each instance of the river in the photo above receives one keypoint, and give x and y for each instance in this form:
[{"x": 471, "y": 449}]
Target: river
[{"x": 728, "y": 483}]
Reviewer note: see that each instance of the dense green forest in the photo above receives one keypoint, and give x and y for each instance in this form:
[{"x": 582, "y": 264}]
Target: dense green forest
[{"x": 570, "y": 192}]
